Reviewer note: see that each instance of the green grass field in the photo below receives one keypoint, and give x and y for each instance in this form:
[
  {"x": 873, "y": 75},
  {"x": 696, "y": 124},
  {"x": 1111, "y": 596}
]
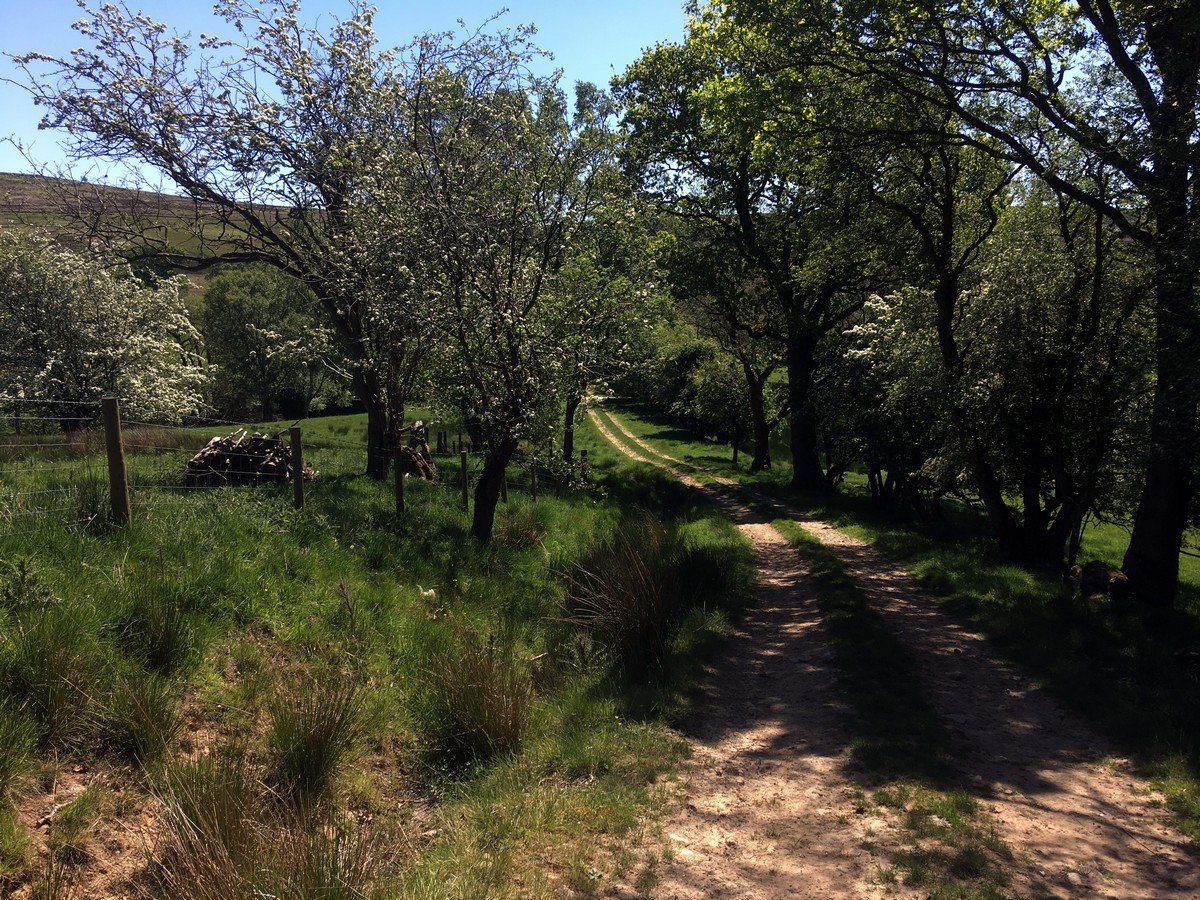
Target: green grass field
[{"x": 392, "y": 705}]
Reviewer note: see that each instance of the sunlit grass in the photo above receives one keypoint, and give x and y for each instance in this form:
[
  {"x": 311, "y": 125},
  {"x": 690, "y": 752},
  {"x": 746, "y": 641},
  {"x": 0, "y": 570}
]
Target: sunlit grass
[{"x": 202, "y": 627}]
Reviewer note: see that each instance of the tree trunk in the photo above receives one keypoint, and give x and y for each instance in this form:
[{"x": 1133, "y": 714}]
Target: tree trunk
[
  {"x": 568, "y": 444},
  {"x": 487, "y": 493},
  {"x": 756, "y": 388},
  {"x": 380, "y": 427},
  {"x": 807, "y": 474},
  {"x": 1152, "y": 560}
]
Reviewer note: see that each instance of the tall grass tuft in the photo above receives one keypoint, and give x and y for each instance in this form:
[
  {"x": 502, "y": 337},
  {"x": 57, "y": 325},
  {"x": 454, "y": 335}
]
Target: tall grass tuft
[
  {"x": 14, "y": 849},
  {"x": 224, "y": 838},
  {"x": 472, "y": 701},
  {"x": 142, "y": 717},
  {"x": 634, "y": 592},
  {"x": 159, "y": 631},
  {"x": 18, "y": 735},
  {"x": 311, "y": 736},
  {"x": 52, "y": 667},
  {"x": 627, "y": 592},
  {"x": 521, "y": 525},
  {"x": 211, "y": 813}
]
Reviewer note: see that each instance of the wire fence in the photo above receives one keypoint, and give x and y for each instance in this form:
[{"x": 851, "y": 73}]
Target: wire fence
[{"x": 67, "y": 478}]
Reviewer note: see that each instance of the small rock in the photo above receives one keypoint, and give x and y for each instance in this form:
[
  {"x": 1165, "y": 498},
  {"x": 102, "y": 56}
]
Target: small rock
[
  {"x": 939, "y": 822},
  {"x": 679, "y": 839},
  {"x": 1075, "y": 879}
]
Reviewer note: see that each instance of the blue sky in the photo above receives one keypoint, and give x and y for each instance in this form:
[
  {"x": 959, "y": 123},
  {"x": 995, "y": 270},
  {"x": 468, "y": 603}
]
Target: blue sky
[{"x": 590, "y": 41}]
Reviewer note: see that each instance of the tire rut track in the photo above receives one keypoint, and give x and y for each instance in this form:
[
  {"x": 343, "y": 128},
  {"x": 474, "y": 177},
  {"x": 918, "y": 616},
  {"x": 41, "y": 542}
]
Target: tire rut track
[{"x": 1082, "y": 824}]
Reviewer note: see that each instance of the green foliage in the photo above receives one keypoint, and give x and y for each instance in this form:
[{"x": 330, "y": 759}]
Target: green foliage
[{"x": 262, "y": 331}]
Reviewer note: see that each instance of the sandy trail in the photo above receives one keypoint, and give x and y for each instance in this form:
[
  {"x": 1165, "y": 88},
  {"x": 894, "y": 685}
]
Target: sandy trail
[{"x": 768, "y": 811}]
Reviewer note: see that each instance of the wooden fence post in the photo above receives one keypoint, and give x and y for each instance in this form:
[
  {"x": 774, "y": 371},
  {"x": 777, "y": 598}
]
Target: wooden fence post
[
  {"x": 533, "y": 479},
  {"x": 398, "y": 454},
  {"x": 118, "y": 482},
  {"x": 462, "y": 455},
  {"x": 297, "y": 467}
]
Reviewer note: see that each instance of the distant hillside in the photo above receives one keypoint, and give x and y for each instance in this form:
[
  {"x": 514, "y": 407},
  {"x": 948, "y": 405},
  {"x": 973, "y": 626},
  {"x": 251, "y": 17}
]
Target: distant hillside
[
  {"x": 40, "y": 200},
  {"x": 79, "y": 214}
]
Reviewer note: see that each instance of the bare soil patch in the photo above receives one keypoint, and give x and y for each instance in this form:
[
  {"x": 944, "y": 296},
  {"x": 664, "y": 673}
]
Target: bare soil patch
[{"x": 768, "y": 810}]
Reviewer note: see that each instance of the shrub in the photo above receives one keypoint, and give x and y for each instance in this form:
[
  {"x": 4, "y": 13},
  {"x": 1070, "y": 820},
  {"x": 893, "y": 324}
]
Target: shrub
[{"x": 472, "y": 700}]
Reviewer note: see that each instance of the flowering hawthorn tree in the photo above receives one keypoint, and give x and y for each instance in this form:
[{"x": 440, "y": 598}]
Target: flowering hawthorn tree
[
  {"x": 276, "y": 137},
  {"x": 76, "y": 331},
  {"x": 502, "y": 182}
]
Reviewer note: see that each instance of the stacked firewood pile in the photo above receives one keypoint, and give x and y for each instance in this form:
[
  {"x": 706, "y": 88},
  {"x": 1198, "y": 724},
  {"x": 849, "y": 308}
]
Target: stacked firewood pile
[
  {"x": 239, "y": 458},
  {"x": 415, "y": 463}
]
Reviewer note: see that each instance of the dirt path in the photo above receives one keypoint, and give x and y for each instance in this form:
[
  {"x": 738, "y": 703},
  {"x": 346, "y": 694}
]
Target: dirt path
[{"x": 768, "y": 810}]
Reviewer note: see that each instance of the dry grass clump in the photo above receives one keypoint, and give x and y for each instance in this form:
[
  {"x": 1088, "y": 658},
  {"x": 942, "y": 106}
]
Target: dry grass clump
[{"x": 227, "y": 835}]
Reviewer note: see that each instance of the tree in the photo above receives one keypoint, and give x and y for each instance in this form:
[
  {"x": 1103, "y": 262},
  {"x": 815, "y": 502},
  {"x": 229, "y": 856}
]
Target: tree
[
  {"x": 1118, "y": 81},
  {"x": 609, "y": 273},
  {"x": 79, "y": 329},
  {"x": 1051, "y": 340},
  {"x": 498, "y": 184},
  {"x": 278, "y": 138},
  {"x": 721, "y": 295},
  {"x": 704, "y": 145},
  {"x": 263, "y": 332}
]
